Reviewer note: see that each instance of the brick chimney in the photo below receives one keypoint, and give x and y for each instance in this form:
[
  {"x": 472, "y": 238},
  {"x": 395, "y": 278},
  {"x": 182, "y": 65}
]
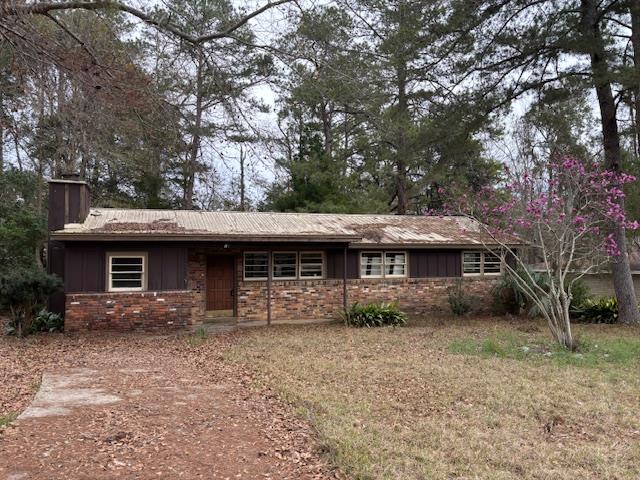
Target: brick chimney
[{"x": 69, "y": 200}]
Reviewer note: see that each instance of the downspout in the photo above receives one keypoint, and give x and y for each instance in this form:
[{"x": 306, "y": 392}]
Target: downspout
[
  {"x": 344, "y": 279},
  {"x": 269, "y": 288}
]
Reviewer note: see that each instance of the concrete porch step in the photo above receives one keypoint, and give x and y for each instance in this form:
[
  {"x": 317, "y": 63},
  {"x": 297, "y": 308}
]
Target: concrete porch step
[{"x": 211, "y": 319}]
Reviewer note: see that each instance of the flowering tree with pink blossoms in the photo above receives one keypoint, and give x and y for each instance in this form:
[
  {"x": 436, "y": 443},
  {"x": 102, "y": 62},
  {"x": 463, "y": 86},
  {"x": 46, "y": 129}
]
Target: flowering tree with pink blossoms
[{"x": 564, "y": 214}]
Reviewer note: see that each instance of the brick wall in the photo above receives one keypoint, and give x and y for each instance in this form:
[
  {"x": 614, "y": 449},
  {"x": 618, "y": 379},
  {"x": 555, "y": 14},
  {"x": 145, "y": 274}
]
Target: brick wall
[
  {"x": 196, "y": 282},
  {"x": 322, "y": 299},
  {"x": 129, "y": 311}
]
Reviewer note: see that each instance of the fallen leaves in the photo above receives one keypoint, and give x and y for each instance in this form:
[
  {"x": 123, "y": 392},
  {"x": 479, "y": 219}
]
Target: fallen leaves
[{"x": 185, "y": 413}]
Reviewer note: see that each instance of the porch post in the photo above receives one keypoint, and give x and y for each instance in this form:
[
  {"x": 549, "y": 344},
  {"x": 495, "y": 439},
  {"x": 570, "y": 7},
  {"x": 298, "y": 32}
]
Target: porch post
[
  {"x": 269, "y": 288},
  {"x": 344, "y": 279}
]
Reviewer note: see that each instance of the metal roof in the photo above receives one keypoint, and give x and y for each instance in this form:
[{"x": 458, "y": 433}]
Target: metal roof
[{"x": 356, "y": 229}]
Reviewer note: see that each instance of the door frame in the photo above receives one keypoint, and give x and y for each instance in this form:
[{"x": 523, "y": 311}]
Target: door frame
[{"x": 234, "y": 259}]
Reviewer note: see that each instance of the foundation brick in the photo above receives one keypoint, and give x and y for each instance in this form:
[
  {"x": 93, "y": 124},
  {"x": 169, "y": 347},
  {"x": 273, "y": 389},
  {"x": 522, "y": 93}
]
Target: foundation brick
[{"x": 128, "y": 311}]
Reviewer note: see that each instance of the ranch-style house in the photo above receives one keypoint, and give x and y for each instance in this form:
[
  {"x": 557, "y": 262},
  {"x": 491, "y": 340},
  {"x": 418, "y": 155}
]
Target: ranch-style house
[{"x": 126, "y": 269}]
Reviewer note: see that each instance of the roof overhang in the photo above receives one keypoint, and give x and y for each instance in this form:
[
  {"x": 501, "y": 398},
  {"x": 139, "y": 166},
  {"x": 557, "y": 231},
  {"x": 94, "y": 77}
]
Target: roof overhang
[
  {"x": 409, "y": 246},
  {"x": 188, "y": 237}
]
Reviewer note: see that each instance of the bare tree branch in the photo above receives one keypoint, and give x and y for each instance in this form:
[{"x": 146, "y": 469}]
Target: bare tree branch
[{"x": 46, "y": 8}]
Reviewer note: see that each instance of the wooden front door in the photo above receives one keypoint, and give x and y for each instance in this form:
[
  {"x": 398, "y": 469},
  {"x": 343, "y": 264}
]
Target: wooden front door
[{"x": 220, "y": 284}]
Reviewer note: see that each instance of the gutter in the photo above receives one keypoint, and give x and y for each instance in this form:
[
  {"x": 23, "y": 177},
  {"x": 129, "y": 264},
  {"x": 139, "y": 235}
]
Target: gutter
[{"x": 115, "y": 236}]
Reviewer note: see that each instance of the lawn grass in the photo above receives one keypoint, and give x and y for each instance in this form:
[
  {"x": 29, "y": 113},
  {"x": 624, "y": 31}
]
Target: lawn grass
[
  {"x": 593, "y": 351},
  {"x": 484, "y": 399},
  {"x": 5, "y": 420}
]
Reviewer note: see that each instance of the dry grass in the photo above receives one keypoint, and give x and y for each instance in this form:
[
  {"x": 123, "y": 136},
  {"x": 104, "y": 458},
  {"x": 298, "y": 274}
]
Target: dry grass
[{"x": 460, "y": 399}]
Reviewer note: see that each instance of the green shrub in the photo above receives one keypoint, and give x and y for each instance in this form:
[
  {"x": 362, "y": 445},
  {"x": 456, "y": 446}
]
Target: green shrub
[
  {"x": 460, "y": 302},
  {"x": 374, "y": 315},
  {"x": 46, "y": 321},
  {"x": 602, "y": 310},
  {"x": 23, "y": 292},
  {"x": 510, "y": 297}
]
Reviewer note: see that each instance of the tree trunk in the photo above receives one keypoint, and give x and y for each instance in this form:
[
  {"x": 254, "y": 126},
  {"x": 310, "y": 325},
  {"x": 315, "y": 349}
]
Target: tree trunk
[
  {"x": 1, "y": 146},
  {"x": 326, "y": 114},
  {"x": 635, "y": 41},
  {"x": 192, "y": 160},
  {"x": 401, "y": 152},
  {"x": 242, "y": 194},
  {"x": 620, "y": 268}
]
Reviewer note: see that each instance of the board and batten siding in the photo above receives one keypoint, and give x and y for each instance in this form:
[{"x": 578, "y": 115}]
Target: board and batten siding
[
  {"x": 423, "y": 263},
  {"x": 435, "y": 263},
  {"x": 85, "y": 266},
  {"x": 335, "y": 263}
]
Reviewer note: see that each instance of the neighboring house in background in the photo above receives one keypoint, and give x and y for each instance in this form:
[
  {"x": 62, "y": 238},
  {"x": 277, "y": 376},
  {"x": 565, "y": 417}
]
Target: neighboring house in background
[
  {"x": 129, "y": 269},
  {"x": 600, "y": 283}
]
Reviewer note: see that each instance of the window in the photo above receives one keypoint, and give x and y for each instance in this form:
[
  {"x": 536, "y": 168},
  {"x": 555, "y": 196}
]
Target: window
[
  {"x": 472, "y": 263},
  {"x": 285, "y": 265},
  {"x": 379, "y": 264},
  {"x": 492, "y": 263},
  {"x": 126, "y": 271},
  {"x": 256, "y": 265},
  {"x": 311, "y": 265},
  {"x": 395, "y": 264},
  {"x": 371, "y": 264},
  {"x": 481, "y": 263}
]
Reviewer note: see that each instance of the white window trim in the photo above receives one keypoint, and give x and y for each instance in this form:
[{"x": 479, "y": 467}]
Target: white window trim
[
  {"x": 145, "y": 274},
  {"x": 384, "y": 264},
  {"x": 482, "y": 273},
  {"x": 273, "y": 265},
  {"x": 244, "y": 266},
  {"x": 322, "y": 264},
  {"x": 381, "y": 263},
  {"x": 383, "y": 253}
]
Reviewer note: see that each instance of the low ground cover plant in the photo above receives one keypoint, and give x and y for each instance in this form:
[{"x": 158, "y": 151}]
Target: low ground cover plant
[
  {"x": 46, "y": 321},
  {"x": 601, "y": 310},
  {"x": 375, "y": 315}
]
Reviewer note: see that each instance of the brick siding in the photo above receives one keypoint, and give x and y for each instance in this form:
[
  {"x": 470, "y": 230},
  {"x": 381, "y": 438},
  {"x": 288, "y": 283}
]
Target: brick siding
[
  {"x": 129, "y": 311},
  {"x": 322, "y": 299}
]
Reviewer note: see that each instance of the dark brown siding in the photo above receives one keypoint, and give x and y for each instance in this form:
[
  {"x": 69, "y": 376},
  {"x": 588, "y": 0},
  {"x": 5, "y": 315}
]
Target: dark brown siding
[
  {"x": 84, "y": 269},
  {"x": 55, "y": 266},
  {"x": 68, "y": 203},
  {"x": 85, "y": 266},
  {"x": 56, "y": 206},
  {"x": 335, "y": 263},
  {"x": 167, "y": 268},
  {"x": 435, "y": 263}
]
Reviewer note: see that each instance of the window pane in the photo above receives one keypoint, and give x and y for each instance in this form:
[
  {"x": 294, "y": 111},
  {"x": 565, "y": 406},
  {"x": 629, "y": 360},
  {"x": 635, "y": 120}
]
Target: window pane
[
  {"x": 311, "y": 265},
  {"x": 284, "y": 265},
  {"x": 371, "y": 264},
  {"x": 256, "y": 265},
  {"x": 126, "y": 283},
  {"x": 471, "y": 262},
  {"x": 126, "y": 276},
  {"x": 126, "y": 268},
  {"x": 491, "y": 263},
  {"x": 395, "y": 263},
  {"x": 126, "y": 261}
]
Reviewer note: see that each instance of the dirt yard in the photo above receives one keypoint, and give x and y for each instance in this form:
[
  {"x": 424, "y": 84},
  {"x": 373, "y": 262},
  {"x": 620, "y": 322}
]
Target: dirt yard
[{"x": 136, "y": 406}]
